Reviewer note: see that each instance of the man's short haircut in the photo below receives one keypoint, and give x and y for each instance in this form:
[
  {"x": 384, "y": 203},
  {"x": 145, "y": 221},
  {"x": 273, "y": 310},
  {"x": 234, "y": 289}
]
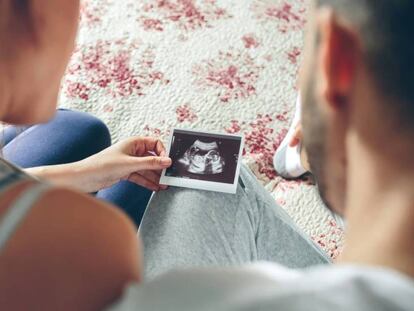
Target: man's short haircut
[{"x": 387, "y": 34}]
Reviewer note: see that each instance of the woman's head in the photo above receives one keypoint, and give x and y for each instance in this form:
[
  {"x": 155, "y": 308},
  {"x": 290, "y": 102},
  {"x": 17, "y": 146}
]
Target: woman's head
[{"x": 37, "y": 38}]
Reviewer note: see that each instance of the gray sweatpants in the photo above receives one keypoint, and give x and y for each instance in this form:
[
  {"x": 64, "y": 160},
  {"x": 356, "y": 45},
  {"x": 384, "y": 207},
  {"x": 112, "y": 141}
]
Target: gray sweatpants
[{"x": 185, "y": 228}]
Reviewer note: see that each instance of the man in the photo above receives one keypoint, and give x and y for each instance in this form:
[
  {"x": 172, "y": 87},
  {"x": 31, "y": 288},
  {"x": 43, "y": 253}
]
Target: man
[{"x": 358, "y": 124}]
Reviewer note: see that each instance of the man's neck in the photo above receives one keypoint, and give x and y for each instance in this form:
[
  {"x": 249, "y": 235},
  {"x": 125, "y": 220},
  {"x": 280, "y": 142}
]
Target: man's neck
[{"x": 380, "y": 213}]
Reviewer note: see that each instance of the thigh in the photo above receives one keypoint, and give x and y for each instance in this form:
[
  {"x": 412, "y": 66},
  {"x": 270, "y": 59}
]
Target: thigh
[
  {"x": 188, "y": 228},
  {"x": 71, "y": 136},
  {"x": 10, "y": 132},
  {"x": 184, "y": 228},
  {"x": 278, "y": 238},
  {"x": 130, "y": 197}
]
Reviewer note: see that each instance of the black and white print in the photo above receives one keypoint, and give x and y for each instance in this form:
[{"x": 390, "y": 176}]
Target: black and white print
[{"x": 203, "y": 160}]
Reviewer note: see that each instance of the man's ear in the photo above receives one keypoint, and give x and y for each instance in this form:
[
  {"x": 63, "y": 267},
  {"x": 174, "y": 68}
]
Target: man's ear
[{"x": 337, "y": 55}]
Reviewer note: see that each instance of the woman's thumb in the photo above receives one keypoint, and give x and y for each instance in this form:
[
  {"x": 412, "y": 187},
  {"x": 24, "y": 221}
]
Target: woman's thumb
[{"x": 152, "y": 163}]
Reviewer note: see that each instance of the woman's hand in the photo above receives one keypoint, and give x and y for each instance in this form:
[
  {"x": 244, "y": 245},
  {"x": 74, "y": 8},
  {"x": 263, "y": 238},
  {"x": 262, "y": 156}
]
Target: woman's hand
[{"x": 137, "y": 159}]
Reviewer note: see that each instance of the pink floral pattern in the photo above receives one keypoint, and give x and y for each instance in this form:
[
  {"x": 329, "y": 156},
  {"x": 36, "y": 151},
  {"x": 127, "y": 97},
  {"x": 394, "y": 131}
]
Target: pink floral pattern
[
  {"x": 261, "y": 143},
  {"x": 222, "y": 65},
  {"x": 185, "y": 113},
  {"x": 250, "y": 41},
  {"x": 293, "y": 55},
  {"x": 261, "y": 140},
  {"x": 185, "y": 14},
  {"x": 111, "y": 71},
  {"x": 155, "y": 131},
  {"x": 91, "y": 12},
  {"x": 285, "y": 14},
  {"x": 233, "y": 74},
  {"x": 329, "y": 241}
]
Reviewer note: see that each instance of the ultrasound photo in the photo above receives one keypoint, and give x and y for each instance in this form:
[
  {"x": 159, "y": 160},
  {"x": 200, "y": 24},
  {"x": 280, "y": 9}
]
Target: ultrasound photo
[{"x": 204, "y": 156}]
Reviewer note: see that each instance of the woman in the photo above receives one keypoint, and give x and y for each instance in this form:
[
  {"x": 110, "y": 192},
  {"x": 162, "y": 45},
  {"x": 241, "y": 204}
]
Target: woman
[{"x": 61, "y": 249}]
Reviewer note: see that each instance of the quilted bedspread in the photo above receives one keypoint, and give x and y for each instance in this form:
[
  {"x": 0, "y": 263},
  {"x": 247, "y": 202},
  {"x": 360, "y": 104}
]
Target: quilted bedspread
[{"x": 224, "y": 65}]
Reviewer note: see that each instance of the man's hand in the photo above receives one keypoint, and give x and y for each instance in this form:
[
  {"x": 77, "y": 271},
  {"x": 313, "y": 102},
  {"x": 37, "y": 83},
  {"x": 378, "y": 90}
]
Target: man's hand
[
  {"x": 137, "y": 159},
  {"x": 297, "y": 136},
  {"x": 296, "y": 140}
]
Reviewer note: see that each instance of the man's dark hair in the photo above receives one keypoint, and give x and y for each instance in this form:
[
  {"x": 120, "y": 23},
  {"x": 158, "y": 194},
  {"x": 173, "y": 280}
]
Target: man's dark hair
[{"x": 387, "y": 34}]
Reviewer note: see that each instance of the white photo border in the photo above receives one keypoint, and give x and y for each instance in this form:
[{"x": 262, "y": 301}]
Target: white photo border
[{"x": 204, "y": 184}]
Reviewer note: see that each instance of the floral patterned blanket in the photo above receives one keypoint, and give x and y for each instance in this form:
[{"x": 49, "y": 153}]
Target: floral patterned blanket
[{"x": 224, "y": 65}]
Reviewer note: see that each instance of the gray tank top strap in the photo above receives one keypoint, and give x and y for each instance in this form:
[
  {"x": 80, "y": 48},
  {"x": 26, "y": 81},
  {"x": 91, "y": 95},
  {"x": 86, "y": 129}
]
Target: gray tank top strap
[{"x": 16, "y": 213}]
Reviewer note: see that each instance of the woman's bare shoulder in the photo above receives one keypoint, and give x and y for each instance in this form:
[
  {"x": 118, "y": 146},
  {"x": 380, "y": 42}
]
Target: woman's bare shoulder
[{"x": 71, "y": 251}]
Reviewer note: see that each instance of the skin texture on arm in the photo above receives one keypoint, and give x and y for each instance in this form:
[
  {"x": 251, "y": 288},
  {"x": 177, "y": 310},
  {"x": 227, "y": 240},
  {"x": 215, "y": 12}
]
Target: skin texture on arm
[
  {"x": 137, "y": 159},
  {"x": 79, "y": 251}
]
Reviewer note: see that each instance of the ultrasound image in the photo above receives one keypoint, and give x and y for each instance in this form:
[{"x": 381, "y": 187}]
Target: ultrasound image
[{"x": 204, "y": 156}]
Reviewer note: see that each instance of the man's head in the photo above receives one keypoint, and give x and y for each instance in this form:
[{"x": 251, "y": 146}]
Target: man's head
[
  {"x": 358, "y": 88},
  {"x": 36, "y": 40}
]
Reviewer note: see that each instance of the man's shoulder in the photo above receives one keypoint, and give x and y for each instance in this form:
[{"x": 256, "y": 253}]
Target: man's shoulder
[{"x": 269, "y": 287}]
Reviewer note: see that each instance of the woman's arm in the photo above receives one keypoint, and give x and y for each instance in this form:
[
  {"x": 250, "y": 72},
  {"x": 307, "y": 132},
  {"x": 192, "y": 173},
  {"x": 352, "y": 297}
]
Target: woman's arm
[
  {"x": 137, "y": 159},
  {"x": 71, "y": 252},
  {"x": 70, "y": 175}
]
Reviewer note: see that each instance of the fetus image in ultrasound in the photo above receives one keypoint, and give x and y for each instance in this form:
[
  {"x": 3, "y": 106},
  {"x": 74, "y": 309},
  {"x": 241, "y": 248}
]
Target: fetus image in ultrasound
[{"x": 205, "y": 157}]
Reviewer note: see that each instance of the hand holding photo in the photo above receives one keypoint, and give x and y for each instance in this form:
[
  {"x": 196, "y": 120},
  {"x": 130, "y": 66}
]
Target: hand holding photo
[{"x": 205, "y": 161}]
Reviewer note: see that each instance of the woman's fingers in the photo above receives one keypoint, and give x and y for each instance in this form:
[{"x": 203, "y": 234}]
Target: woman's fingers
[
  {"x": 160, "y": 149},
  {"x": 153, "y": 176},
  {"x": 144, "y": 182},
  {"x": 152, "y": 163},
  {"x": 141, "y": 146},
  {"x": 150, "y": 145},
  {"x": 156, "y": 175},
  {"x": 147, "y": 179},
  {"x": 150, "y": 175}
]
